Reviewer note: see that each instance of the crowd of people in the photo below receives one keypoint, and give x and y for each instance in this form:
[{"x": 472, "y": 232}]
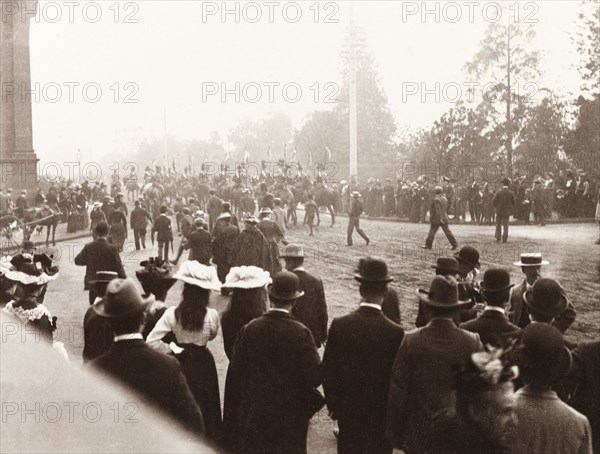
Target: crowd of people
[{"x": 487, "y": 368}]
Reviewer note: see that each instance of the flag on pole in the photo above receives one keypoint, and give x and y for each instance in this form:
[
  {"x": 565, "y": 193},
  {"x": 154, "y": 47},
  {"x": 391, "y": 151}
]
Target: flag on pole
[
  {"x": 294, "y": 153},
  {"x": 284, "y": 151},
  {"x": 174, "y": 168},
  {"x": 328, "y": 153},
  {"x": 269, "y": 152},
  {"x": 310, "y": 161},
  {"x": 227, "y": 155},
  {"x": 153, "y": 164},
  {"x": 246, "y": 156}
]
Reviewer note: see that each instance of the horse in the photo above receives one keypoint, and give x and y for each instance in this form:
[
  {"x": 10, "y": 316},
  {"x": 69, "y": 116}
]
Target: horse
[
  {"x": 44, "y": 216},
  {"x": 133, "y": 187},
  {"x": 326, "y": 197}
]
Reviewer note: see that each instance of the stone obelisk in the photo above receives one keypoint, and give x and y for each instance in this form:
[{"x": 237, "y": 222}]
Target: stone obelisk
[{"x": 18, "y": 161}]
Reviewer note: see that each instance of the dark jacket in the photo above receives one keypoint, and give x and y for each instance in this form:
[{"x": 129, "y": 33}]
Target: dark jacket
[
  {"x": 356, "y": 208},
  {"x": 586, "y": 372},
  {"x": 156, "y": 377},
  {"x": 252, "y": 249},
  {"x": 200, "y": 244},
  {"x": 422, "y": 379},
  {"x": 311, "y": 309},
  {"x": 224, "y": 244},
  {"x": 519, "y": 315},
  {"x": 438, "y": 210},
  {"x": 99, "y": 255},
  {"x": 504, "y": 202},
  {"x": 391, "y": 305},
  {"x": 162, "y": 225},
  {"x": 275, "y": 364},
  {"x": 493, "y": 327},
  {"x": 357, "y": 364},
  {"x": 139, "y": 218},
  {"x": 97, "y": 335}
]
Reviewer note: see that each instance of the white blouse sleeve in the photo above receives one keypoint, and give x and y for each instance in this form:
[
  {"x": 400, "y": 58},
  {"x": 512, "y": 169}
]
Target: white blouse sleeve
[
  {"x": 213, "y": 324},
  {"x": 161, "y": 329}
]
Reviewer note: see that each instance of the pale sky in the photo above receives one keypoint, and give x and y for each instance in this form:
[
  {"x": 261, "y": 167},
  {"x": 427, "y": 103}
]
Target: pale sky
[{"x": 174, "y": 54}]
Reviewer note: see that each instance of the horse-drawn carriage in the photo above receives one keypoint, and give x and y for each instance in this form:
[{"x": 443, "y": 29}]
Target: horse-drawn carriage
[{"x": 14, "y": 230}]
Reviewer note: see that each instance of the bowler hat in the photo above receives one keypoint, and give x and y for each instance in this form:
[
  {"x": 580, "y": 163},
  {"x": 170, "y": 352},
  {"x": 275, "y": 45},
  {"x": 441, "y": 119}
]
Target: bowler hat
[
  {"x": 496, "y": 280},
  {"x": 449, "y": 264},
  {"x": 438, "y": 190},
  {"x": 122, "y": 298},
  {"x": 531, "y": 259},
  {"x": 104, "y": 276},
  {"x": 372, "y": 270},
  {"x": 28, "y": 245},
  {"x": 285, "y": 286},
  {"x": 292, "y": 250},
  {"x": 546, "y": 298},
  {"x": 542, "y": 356},
  {"x": 249, "y": 217},
  {"x": 443, "y": 293},
  {"x": 468, "y": 255},
  {"x": 506, "y": 182}
]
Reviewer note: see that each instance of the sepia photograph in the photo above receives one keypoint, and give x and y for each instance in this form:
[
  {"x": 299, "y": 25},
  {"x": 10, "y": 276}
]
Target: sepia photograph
[{"x": 300, "y": 227}]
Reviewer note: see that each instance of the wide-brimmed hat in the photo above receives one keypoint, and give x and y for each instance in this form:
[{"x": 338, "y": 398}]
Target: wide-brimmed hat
[
  {"x": 542, "y": 355},
  {"x": 225, "y": 215},
  {"x": 122, "y": 298},
  {"x": 104, "y": 276},
  {"x": 285, "y": 287},
  {"x": 449, "y": 264},
  {"x": 496, "y": 280},
  {"x": 292, "y": 250},
  {"x": 546, "y": 297},
  {"x": 266, "y": 210},
  {"x": 194, "y": 273},
  {"x": 443, "y": 293},
  {"x": 531, "y": 259},
  {"x": 372, "y": 270},
  {"x": 249, "y": 217},
  {"x": 247, "y": 277},
  {"x": 468, "y": 255},
  {"x": 96, "y": 205}
]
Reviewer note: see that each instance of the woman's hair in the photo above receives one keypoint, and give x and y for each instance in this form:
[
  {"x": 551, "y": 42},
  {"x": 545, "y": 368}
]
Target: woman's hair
[
  {"x": 247, "y": 304},
  {"x": 192, "y": 309}
]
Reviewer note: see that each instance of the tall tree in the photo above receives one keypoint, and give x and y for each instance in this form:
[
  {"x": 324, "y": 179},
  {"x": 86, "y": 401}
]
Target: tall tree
[
  {"x": 587, "y": 42},
  {"x": 506, "y": 62}
]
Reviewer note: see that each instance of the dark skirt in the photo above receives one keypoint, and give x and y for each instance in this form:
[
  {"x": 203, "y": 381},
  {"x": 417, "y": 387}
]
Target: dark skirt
[
  {"x": 200, "y": 371},
  {"x": 118, "y": 234}
]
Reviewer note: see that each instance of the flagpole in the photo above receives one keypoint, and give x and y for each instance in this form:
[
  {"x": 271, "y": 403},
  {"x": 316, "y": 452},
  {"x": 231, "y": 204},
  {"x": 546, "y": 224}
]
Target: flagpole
[
  {"x": 165, "y": 139},
  {"x": 352, "y": 103}
]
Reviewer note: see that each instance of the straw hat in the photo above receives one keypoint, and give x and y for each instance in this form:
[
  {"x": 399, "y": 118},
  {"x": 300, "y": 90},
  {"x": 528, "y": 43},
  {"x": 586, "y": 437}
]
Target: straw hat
[
  {"x": 194, "y": 273},
  {"x": 247, "y": 277}
]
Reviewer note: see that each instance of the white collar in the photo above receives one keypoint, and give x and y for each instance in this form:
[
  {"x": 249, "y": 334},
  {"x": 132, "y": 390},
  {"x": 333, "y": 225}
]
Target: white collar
[
  {"x": 300, "y": 268},
  {"x": 494, "y": 308},
  {"x": 130, "y": 336},
  {"x": 277, "y": 309},
  {"x": 373, "y": 306}
]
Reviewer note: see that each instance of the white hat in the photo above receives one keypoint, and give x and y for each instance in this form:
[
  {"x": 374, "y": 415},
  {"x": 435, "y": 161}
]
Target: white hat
[
  {"x": 193, "y": 272},
  {"x": 247, "y": 277}
]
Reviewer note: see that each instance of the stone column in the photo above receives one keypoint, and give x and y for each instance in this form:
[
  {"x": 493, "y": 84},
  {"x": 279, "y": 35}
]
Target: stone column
[{"x": 18, "y": 161}]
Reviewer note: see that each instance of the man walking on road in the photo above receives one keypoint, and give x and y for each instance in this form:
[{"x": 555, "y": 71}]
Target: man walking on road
[
  {"x": 356, "y": 209},
  {"x": 162, "y": 225},
  {"x": 504, "y": 204},
  {"x": 438, "y": 217},
  {"x": 139, "y": 222}
]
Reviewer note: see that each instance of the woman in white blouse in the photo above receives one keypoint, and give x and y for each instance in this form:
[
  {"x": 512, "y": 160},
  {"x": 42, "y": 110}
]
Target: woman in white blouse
[{"x": 194, "y": 323}]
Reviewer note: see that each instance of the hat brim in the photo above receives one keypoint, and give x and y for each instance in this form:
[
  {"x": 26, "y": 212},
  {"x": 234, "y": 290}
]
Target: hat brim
[
  {"x": 216, "y": 286},
  {"x": 460, "y": 259},
  {"x": 500, "y": 289},
  {"x": 100, "y": 308},
  {"x": 287, "y": 256},
  {"x": 424, "y": 296},
  {"x": 543, "y": 262},
  {"x": 361, "y": 278},
  {"x": 27, "y": 279},
  {"x": 246, "y": 285},
  {"x": 559, "y": 310},
  {"x": 278, "y": 296},
  {"x": 453, "y": 270}
]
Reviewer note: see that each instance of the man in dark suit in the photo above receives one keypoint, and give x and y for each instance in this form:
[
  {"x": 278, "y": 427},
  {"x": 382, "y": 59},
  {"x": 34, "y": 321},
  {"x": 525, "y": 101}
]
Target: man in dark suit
[
  {"x": 422, "y": 377},
  {"x": 357, "y": 364},
  {"x": 518, "y": 312},
  {"x": 139, "y": 223},
  {"x": 438, "y": 217},
  {"x": 213, "y": 208},
  {"x": 493, "y": 325},
  {"x": 157, "y": 377},
  {"x": 99, "y": 255},
  {"x": 310, "y": 309},
  {"x": 356, "y": 209},
  {"x": 164, "y": 233},
  {"x": 504, "y": 204},
  {"x": 274, "y": 369}
]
